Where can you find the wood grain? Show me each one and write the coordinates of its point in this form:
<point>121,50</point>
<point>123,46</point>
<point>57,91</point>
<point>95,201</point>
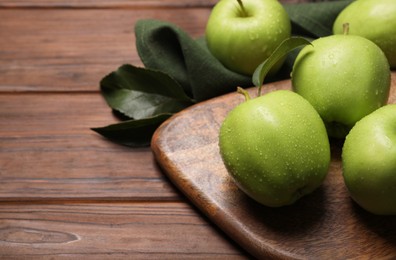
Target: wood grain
<point>72,50</point>
<point>158,4</point>
<point>323,225</point>
<point>109,231</point>
<point>114,3</point>
<point>48,151</point>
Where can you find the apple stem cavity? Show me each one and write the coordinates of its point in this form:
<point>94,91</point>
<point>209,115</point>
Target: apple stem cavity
<point>243,10</point>
<point>345,28</point>
<point>243,92</point>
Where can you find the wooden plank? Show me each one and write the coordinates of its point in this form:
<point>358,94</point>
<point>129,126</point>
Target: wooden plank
<point>47,150</point>
<point>113,3</point>
<point>71,50</point>
<point>110,230</point>
<point>105,3</point>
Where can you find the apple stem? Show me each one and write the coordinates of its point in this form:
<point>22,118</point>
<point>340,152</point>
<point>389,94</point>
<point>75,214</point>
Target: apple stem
<point>243,92</point>
<point>244,13</point>
<point>345,28</point>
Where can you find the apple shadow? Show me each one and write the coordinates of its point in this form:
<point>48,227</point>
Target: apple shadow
<point>383,226</point>
<point>299,218</point>
<point>305,216</point>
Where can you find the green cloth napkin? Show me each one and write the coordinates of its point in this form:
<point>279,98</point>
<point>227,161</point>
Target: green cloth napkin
<point>180,71</point>
<point>315,19</point>
<point>165,47</point>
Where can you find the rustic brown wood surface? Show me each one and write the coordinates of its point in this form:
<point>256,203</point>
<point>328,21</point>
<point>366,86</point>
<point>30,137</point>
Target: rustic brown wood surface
<point>323,225</point>
<point>66,192</point>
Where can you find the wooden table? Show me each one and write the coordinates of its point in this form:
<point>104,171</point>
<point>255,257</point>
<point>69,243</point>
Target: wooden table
<point>64,190</point>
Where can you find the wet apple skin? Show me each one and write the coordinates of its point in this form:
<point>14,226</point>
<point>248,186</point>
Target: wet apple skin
<point>369,161</point>
<point>275,147</point>
<point>345,77</point>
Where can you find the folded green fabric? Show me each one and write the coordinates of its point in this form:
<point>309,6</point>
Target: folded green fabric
<point>182,71</point>
<point>165,47</point>
<point>314,19</point>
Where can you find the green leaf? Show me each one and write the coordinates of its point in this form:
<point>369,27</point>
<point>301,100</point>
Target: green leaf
<point>134,133</point>
<point>284,48</point>
<point>140,93</point>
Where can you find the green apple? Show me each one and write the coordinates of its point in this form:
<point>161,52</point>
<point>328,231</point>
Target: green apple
<point>275,147</point>
<point>345,77</point>
<point>369,161</point>
<point>241,35</point>
<point>374,20</point>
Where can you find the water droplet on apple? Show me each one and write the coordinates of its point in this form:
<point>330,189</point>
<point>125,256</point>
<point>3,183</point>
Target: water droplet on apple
<point>253,36</point>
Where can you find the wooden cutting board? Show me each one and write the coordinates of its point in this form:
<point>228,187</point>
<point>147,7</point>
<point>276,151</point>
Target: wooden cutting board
<point>326,224</point>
